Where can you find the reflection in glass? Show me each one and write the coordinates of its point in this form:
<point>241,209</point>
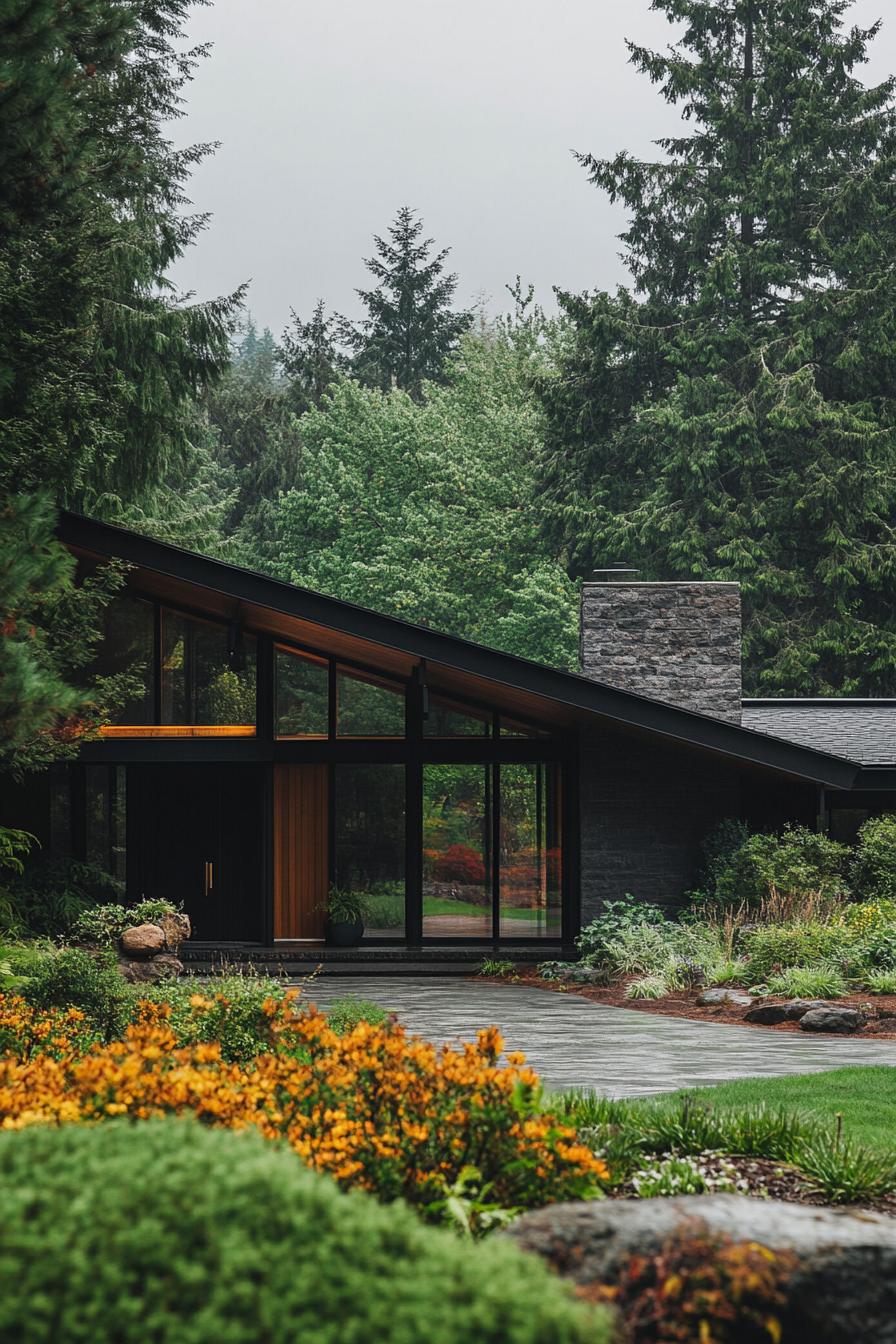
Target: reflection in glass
<point>208,677</point>
<point>302,695</point>
<point>514,728</point>
<point>126,648</point>
<point>447,719</point>
<point>369,840</point>
<point>457,869</point>
<point>105,817</point>
<point>530,866</point>
<point>367,706</point>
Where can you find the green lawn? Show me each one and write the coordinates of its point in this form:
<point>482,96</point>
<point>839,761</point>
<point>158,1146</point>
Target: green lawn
<point>866,1097</point>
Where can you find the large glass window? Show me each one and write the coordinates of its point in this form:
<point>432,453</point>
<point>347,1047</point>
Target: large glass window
<point>369,842</point>
<point>126,650</point>
<point>303,687</point>
<point>529,862</point>
<point>105,807</point>
<point>367,706</point>
<point>457,869</point>
<point>208,674</point>
<point>447,718</point>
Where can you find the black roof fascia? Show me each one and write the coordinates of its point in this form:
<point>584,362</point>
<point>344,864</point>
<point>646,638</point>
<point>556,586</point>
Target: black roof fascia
<point>875,777</point>
<point>566,688</point>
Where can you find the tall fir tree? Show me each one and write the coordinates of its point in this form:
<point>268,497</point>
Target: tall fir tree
<point>411,327</point>
<point>309,357</point>
<point>99,356</point>
<point>735,417</point>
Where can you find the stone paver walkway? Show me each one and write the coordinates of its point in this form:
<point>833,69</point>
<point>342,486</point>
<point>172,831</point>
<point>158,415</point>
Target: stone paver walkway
<point>615,1051</point>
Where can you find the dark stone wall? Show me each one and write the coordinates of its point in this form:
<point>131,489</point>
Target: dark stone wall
<point>647,805</point>
<point>675,642</point>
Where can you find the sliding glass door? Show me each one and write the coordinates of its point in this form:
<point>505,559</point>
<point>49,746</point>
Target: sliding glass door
<point>491,851</point>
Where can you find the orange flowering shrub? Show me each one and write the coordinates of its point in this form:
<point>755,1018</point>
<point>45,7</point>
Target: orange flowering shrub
<point>375,1108</point>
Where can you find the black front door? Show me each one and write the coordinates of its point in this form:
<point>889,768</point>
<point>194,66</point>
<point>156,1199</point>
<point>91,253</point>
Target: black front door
<point>195,837</point>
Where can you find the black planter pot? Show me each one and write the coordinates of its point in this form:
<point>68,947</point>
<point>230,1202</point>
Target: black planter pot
<point>340,934</point>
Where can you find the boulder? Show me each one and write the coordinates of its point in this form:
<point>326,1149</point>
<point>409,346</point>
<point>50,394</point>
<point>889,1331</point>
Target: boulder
<point>771,1014</point>
<point>843,1289</point>
<point>142,941</point>
<point>176,928</point>
<point>723,998</point>
<point>843,1021</point>
<point>165,966</point>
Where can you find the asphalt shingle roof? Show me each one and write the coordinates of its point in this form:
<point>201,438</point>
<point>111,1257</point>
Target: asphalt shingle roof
<point>863,731</point>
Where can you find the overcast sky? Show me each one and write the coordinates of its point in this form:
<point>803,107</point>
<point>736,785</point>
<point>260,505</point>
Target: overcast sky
<point>332,114</point>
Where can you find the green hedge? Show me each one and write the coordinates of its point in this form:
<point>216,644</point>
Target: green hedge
<point>167,1232</point>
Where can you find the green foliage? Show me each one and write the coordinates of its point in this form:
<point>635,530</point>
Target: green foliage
<point>89,981</point>
<point>845,1172</point>
<point>104,924</point>
<point>795,862</point>
<point>345,907</point>
<point>873,868</point>
<point>233,1016</point>
<point>778,947</point>
<point>675,1176</point>
<point>423,509</point>
<point>809,982</point>
<point>496,969</point>
<point>877,950</point>
<point>879,982</point>
<point>718,850</point>
<point>410,328</point>
<point>183,1234</point>
<point>616,917</point>
<point>653,986</point>
<point>52,894</point>
<point>465,1205</point>
<point>344,1014</point>
<point>732,415</point>
<point>15,846</point>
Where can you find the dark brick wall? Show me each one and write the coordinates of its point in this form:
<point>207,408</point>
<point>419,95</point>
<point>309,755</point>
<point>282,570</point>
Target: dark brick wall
<point>676,642</point>
<point>647,805</point>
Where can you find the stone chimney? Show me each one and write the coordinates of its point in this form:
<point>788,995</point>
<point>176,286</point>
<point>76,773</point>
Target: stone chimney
<point>677,642</point>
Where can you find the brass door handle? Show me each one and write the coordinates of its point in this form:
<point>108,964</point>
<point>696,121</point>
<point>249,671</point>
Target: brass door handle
<point>209,876</point>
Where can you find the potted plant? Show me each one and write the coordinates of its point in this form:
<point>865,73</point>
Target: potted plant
<point>344,923</point>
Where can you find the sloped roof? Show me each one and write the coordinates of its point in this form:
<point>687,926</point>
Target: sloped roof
<point>581,698</point>
<point>857,730</point>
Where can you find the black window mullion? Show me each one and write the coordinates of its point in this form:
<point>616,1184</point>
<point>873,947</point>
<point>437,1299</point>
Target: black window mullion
<point>157,663</point>
<point>496,852</point>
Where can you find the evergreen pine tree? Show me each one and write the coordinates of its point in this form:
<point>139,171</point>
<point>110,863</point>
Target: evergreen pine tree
<point>410,328</point>
<point>735,417</point>
<point>309,357</point>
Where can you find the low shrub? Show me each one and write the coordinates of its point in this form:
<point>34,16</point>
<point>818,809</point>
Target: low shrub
<point>773,948</point>
<point>877,949</point>
<point>50,895</point>
<point>880,982</point>
<point>496,969</point>
<point>648,987</point>
<point>684,1176</point>
<point>709,1289</point>
<point>344,1014</point>
<point>87,981</point>
<point>809,982</point>
<point>873,868</point>
<point>104,924</point>
<point>866,917</point>
<point>173,1232</point>
<point>235,1012</point>
<point>384,909</point>
<point>793,863</point>
<point>373,1108</point>
<point>615,918</point>
<point>844,1172</point>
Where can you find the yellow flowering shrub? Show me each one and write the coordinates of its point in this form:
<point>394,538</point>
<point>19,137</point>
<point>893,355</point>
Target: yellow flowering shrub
<point>375,1108</point>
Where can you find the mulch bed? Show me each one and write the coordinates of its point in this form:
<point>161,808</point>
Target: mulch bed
<point>879,1009</point>
<point>766,1179</point>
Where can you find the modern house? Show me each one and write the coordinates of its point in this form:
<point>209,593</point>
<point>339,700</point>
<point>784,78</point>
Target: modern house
<point>280,742</point>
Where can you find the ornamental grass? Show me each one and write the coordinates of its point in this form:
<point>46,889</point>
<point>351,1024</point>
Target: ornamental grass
<point>375,1108</point>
